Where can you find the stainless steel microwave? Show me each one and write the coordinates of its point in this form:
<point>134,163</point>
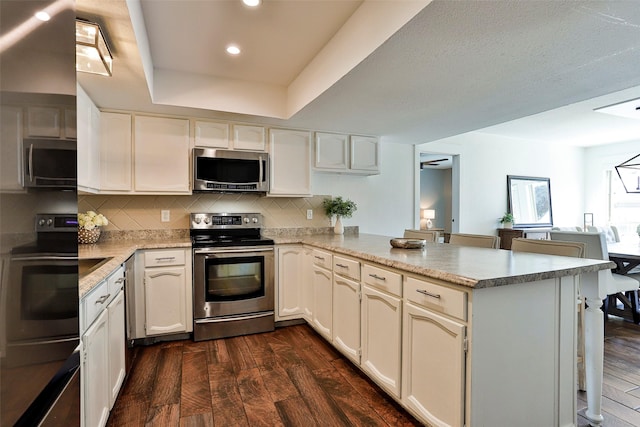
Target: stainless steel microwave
<point>218,170</point>
<point>50,163</point>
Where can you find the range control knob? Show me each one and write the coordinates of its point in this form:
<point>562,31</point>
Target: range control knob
<point>207,220</point>
<point>246,220</point>
<point>198,220</point>
<point>50,222</point>
<point>254,220</point>
<point>41,222</point>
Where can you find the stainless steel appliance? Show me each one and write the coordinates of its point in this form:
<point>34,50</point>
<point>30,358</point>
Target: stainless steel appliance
<point>230,171</point>
<point>41,353</point>
<point>233,275</point>
<point>50,163</point>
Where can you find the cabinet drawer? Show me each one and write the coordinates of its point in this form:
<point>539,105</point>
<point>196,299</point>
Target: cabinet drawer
<point>382,279</point>
<point>96,301</point>
<point>436,297</point>
<point>322,259</point>
<point>164,258</point>
<point>116,282</point>
<point>346,267</point>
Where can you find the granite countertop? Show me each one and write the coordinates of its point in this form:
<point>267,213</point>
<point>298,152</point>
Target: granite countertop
<point>119,251</point>
<point>467,266</point>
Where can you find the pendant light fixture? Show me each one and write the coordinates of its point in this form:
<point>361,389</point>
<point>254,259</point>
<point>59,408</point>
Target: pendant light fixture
<point>629,173</point>
<point>92,52</point>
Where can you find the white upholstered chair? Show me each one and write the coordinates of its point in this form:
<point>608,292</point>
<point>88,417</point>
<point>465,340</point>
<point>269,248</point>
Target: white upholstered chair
<point>561,248</point>
<point>477,240</point>
<point>619,287</point>
<point>428,235</point>
<point>574,228</point>
<point>610,232</point>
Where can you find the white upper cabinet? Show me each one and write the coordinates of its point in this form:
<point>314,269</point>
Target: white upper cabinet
<point>44,122</point>
<point>211,134</point>
<point>331,151</point>
<point>161,155</point>
<point>365,154</point>
<point>115,152</point>
<point>290,163</point>
<point>88,134</point>
<point>346,154</point>
<point>246,137</point>
<point>11,159</point>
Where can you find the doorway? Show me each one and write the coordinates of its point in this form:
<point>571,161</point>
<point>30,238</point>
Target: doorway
<point>438,184</point>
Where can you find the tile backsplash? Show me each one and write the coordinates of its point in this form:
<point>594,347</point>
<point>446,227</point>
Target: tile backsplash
<point>144,212</point>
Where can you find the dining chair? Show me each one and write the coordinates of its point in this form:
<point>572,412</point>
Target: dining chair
<point>574,228</point>
<point>477,240</point>
<point>561,248</point>
<point>610,232</point>
<point>618,287</point>
<point>428,235</point>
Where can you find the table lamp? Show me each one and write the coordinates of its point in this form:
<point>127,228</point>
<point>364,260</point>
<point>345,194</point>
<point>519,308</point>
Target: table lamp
<point>429,214</point>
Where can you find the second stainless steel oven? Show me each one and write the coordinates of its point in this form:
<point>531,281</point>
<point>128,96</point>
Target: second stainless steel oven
<point>233,276</point>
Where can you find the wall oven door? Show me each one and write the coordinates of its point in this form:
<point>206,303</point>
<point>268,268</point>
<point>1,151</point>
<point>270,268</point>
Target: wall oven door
<point>233,281</point>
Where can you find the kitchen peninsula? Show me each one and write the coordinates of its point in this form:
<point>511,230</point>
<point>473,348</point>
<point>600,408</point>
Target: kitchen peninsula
<point>457,335</point>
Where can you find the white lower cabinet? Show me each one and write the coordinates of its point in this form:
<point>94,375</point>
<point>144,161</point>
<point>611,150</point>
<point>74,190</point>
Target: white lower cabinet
<point>433,366</point>
<point>166,292</point>
<point>103,341</point>
<point>323,301</point>
<point>346,317</point>
<point>291,277</point>
<point>381,338</point>
<point>94,376</point>
<point>307,285</point>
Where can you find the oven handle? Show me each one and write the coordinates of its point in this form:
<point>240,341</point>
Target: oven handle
<point>30,165</point>
<point>261,172</point>
<point>226,251</point>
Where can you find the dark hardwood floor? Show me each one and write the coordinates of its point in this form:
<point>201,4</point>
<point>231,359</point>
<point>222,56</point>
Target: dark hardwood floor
<point>292,377</point>
<point>289,377</point>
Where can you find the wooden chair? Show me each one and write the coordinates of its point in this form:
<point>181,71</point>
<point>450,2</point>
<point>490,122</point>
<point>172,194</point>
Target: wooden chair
<point>428,235</point>
<point>561,248</point>
<point>477,240</point>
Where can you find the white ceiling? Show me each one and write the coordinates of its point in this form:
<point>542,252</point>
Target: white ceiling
<point>450,68</point>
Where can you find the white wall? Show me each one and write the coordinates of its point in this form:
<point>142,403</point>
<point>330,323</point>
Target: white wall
<point>385,202</point>
<point>485,162</point>
<point>598,160</point>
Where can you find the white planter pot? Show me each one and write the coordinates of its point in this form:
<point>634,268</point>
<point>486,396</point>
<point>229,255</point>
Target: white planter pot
<point>338,228</point>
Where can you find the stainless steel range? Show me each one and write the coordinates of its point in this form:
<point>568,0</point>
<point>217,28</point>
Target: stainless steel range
<point>233,275</point>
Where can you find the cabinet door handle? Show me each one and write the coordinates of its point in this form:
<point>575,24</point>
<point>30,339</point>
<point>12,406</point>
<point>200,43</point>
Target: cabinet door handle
<point>319,257</point>
<point>375,276</point>
<point>102,299</point>
<point>429,294</point>
<point>342,265</point>
<point>165,259</point>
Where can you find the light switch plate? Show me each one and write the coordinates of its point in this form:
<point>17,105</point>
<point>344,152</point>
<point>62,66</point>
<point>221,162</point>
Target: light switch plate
<point>165,215</point>
<point>309,213</point>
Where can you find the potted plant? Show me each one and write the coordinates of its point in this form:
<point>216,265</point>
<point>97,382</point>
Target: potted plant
<point>507,220</point>
<point>341,208</point>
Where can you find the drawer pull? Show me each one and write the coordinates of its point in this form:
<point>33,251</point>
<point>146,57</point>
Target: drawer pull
<point>375,276</point>
<point>102,299</point>
<point>165,259</point>
<point>342,265</point>
<point>319,257</point>
<point>429,294</point>
<point>120,280</point>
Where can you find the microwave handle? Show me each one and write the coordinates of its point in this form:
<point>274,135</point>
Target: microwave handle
<point>261,169</point>
<point>30,165</point>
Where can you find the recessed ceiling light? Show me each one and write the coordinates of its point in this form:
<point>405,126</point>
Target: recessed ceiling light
<point>252,3</point>
<point>233,49</point>
<point>43,16</point>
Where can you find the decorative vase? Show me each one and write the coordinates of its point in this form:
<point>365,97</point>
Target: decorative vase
<point>338,228</point>
<point>88,236</point>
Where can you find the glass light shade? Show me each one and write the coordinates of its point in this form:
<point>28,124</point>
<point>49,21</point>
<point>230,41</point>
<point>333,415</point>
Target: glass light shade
<point>629,173</point>
<point>92,52</point>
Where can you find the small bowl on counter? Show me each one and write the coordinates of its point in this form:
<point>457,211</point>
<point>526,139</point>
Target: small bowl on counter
<point>408,243</point>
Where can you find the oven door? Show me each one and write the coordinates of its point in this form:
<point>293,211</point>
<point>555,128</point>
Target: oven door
<point>233,281</point>
<point>43,299</point>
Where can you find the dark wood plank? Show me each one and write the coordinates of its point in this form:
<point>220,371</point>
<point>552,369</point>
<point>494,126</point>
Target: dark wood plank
<point>197,420</point>
<point>195,396</point>
<point>261,351</point>
<point>240,354</point>
<point>294,412</point>
<point>225,396</point>
<point>322,407</point>
<point>165,415</point>
<point>168,377</point>
<point>128,414</point>
<point>278,383</point>
<point>141,379</point>
<point>217,351</point>
<point>256,400</point>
